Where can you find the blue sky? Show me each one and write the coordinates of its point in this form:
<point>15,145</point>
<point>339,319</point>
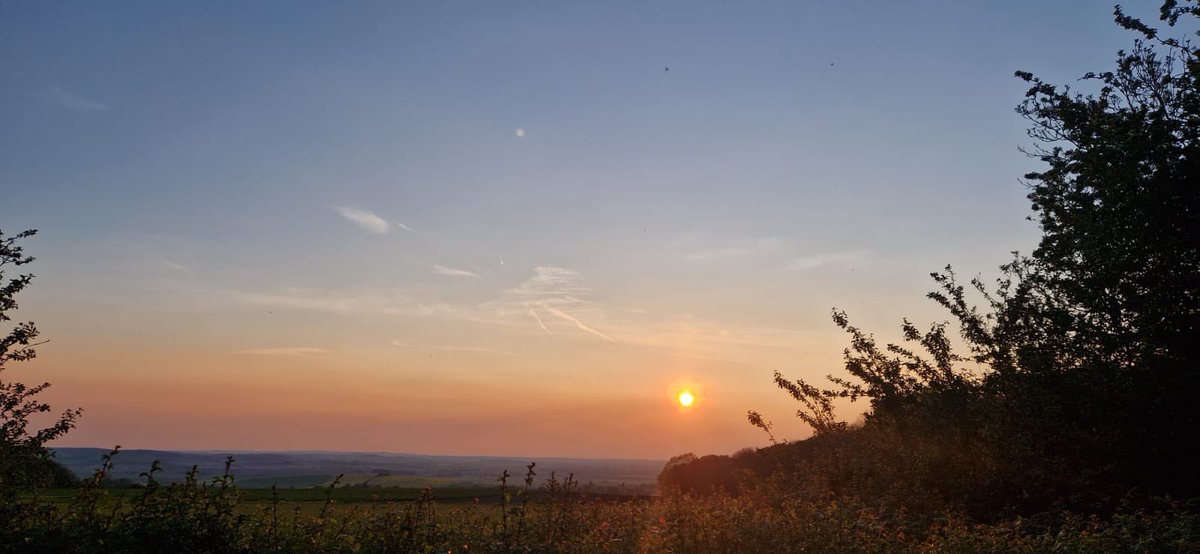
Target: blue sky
<point>503,200</point>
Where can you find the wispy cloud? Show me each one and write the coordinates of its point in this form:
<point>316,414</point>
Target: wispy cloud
<point>284,351</point>
<point>365,219</point>
<point>757,247</point>
<point>554,300</point>
<point>687,332</point>
<point>405,227</point>
<point>551,291</point>
<point>550,285</point>
<point>818,260</point>
<point>538,319</point>
<point>568,317</point>
<point>68,99</point>
<point>176,267</point>
<point>452,348</point>
<point>451,272</point>
<point>396,302</point>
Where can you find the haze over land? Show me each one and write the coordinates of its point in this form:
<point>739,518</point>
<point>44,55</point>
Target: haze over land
<point>508,231</point>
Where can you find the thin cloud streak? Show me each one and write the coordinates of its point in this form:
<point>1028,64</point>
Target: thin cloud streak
<point>537,304</point>
<point>539,321</point>
<point>284,351</point>
<point>550,285</point>
<point>756,248</point>
<point>451,272</point>
<point>678,332</point>
<point>68,99</point>
<point>176,267</point>
<point>405,227</point>
<point>818,260</point>
<point>364,219</point>
<point>452,348</point>
<point>553,290</point>
<point>556,292</point>
<point>568,317</point>
<point>360,302</point>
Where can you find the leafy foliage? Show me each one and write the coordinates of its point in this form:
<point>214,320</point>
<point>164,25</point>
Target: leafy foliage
<point>24,459</point>
<point>1076,377</point>
<point>213,515</point>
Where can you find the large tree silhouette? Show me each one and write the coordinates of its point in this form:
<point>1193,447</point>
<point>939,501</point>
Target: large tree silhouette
<point>1082,363</point>
<point>23,452</point>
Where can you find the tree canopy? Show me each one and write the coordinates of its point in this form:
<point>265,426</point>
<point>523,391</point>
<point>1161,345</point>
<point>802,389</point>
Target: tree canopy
<point>23,453</point>
<point>1080,368</point>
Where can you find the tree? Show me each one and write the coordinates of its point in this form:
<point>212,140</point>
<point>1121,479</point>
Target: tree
<point>1113,289</point>
<point>1082,368</point>
<point>23,451</point>
<point>1118,204</point>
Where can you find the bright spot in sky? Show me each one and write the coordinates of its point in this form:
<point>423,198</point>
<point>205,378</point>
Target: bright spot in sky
<point>686,399</point>
<point>520,132</point>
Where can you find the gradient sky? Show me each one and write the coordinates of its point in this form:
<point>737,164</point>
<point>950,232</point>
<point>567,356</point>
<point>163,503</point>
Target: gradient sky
<point>500,227</point>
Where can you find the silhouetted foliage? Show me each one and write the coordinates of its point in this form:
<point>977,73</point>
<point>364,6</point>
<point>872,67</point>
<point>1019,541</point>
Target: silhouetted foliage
<point>706,474</point>
<point>24,458</point>
<point>49,473</point>
<point>1078,375</point>
<point>213,515</point>
<point>1112,293</point>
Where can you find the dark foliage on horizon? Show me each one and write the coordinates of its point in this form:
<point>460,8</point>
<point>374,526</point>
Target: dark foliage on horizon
<point>1081,369</point>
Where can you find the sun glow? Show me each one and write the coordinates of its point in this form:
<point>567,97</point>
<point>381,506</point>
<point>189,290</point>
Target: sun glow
<point>686,398</point>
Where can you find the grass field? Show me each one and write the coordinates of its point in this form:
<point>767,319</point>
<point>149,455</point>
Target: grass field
<point>547,519</point>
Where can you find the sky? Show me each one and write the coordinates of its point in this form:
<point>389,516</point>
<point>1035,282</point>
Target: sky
<point>504,228</point>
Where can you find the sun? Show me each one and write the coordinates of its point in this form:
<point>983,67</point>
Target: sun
<point>685,395</point>
<point>686,398</point>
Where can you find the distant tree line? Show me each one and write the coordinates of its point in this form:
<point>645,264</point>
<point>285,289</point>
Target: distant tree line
<point>1076,380</point>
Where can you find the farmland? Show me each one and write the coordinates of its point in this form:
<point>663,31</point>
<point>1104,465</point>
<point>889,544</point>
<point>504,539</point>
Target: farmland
<point>301,470</point>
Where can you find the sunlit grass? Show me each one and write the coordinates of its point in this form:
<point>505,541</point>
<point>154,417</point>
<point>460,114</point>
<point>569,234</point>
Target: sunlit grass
<point>538,515</point>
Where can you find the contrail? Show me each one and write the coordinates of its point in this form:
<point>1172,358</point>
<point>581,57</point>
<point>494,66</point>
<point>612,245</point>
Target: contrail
<point>539,320</point>
<point>568,317</point>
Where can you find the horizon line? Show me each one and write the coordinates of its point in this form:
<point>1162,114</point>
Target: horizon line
<point>388,452</point>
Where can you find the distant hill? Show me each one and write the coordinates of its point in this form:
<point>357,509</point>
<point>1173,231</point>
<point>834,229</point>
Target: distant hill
<point>301,469</point>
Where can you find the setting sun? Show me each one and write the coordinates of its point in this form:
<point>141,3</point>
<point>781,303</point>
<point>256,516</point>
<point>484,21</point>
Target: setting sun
<point>686,399</point>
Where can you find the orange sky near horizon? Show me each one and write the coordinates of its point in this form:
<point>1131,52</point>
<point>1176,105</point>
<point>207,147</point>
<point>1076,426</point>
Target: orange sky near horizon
<point>146,394</point>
